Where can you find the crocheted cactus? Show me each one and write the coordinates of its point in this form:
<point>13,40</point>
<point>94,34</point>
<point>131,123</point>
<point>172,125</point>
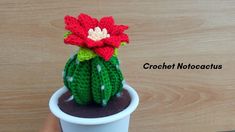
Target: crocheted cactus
<point>93,73</point>
<point>93,80</point>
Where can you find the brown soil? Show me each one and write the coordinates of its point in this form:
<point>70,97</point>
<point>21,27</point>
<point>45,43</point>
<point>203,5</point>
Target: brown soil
<point>115,105</point>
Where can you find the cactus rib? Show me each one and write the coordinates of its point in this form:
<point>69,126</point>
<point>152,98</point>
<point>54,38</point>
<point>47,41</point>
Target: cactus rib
<point>94,80</point>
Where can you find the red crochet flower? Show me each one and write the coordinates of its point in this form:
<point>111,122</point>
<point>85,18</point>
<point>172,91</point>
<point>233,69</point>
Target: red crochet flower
<point>100,36</point>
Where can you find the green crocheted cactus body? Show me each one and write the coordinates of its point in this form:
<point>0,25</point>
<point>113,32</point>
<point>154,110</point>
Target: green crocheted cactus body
<point>94,80</point>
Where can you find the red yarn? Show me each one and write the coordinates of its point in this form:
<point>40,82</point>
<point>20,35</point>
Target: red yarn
<point>90,43</point>
<point>74,26</point>
<point>74,40</point>
<point>105,52</point>
<point>119,29</point>
<point>87,22</point>
<point>107,22</point>
<point>113,41</point>
<point>104,47</point>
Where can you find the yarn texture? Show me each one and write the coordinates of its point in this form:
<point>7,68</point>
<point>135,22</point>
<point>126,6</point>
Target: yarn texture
<point>93,74</point>
<point>100,36</point>
<point>93,80</point>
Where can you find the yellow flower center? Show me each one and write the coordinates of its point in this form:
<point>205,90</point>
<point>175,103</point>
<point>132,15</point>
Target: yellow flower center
<point>97,34</point>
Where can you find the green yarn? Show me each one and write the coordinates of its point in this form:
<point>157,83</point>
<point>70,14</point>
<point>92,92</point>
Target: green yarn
<point>85,54</point>
<point>123,43</point>
<point>115,75</point>
<point>115,52</point>
<point>80,83</point>
<point>67,34</point>
<point>68,70</point>
<point>101,87</point>
<point>93,80</point>
<point>116,49</point>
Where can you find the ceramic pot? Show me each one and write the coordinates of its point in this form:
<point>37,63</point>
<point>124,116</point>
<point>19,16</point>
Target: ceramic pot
<point>118,122</point>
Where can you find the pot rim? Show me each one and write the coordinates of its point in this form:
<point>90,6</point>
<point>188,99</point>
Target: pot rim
<point>53,105</point>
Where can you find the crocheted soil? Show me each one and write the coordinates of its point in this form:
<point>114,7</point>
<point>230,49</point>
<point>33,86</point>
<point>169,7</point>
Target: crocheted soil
<point>115,105</point>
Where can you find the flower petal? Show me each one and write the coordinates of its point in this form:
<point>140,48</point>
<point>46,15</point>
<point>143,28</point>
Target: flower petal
<point>74,26</point>
<point>87,21</point>
<point>91,43</point>
<point>113,41</point>
<point>70,20</point>
<point>104,52</point>
<point>107,22</point>
<point>74,40</point>
<point>118,29</point>
<point>124,38</point>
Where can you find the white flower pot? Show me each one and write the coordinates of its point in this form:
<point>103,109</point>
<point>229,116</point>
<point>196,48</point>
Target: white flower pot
<point>118,122</point>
